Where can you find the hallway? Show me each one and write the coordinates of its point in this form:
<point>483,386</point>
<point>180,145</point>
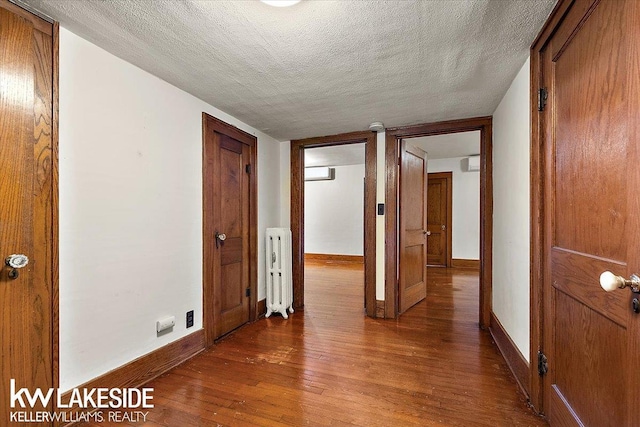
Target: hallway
<point>330,365</point>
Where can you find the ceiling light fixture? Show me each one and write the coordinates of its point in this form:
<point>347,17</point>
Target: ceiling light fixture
<point>280,3</point>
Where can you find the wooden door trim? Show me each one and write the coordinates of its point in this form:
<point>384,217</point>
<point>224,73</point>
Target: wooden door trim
<point>297,210</point>
<point>208,319</point>
<point>55,233</point>
<point>448,176</point>
<point>536,336</point>
<point>38,23</point>
<point>393,135</point>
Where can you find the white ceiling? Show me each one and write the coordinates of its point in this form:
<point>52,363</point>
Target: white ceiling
<point>339,155</point>
<point>320,67</point>
<point>461,144</point>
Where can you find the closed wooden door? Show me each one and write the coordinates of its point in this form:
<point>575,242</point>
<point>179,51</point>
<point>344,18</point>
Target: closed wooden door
<point>26,200</point>
<point>413,226</point>
<point>591,69</point>
<point>228,211</point>
<point>439,219</point>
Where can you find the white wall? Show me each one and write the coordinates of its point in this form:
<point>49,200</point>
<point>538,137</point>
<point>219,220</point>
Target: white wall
<point>285,183</point>
<point>131,209</point>
<point>381,175</point>
<point>466,206</point>
<point>511,211</point>
<point>334,213</point>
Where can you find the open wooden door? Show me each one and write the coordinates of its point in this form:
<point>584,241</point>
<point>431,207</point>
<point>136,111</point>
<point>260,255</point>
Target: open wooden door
<point>591,138</point>
<point>413,226</point>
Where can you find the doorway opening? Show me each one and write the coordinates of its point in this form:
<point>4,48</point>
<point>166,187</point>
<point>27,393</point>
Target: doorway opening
<point>453,201</point>
<point>394,137</point>
<point>334,220</point>
<point>298,149</point>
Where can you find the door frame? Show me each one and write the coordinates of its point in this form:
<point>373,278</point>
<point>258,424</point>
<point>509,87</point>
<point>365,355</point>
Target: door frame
<point>55,263</point>
<point>448,176</point>
<point>208,240</point>
<point>536,331</point>
<point>297,210</point>
<point>51,208</point>
<point>393,136</point>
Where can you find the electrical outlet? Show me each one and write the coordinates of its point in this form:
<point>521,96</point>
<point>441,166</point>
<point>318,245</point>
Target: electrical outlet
<point>189,318</point>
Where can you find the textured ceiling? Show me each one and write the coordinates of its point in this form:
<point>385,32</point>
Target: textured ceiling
<point>450,145</point>
<point>320,67</point>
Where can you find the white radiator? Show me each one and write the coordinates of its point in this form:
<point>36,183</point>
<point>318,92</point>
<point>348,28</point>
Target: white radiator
<point>279,273</point>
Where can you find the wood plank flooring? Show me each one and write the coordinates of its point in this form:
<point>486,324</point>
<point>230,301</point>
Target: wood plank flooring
<point>329,365</point>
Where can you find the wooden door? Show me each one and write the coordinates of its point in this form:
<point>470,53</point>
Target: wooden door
<point>439,219</point>
<point>26,204</point>
<point>228,225</point>
<point>591,138</point>
<point>413,226</point>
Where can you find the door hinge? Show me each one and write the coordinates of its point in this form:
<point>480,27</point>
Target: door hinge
<point>543,95</point>
<point>543,364</point>
<point>247,168</point>
<point>247,292</point>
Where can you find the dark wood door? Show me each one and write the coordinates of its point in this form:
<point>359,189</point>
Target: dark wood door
<point>591,68</point>
<point>439,219</point>
<point>228,166</point>
<point>413,226</point>
<point>26,197</point>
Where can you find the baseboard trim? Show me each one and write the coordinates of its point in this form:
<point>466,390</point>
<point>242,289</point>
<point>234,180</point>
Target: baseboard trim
<point>262,308</point>
<point>465,263</point>
<point>359,259</point>
<point>516,362</point>
<point>145,368</point>
<point>380,309</point>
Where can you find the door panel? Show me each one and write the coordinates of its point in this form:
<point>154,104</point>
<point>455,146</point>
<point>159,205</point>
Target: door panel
<point>438,219</point>
<point>233,251</point>
<point>229,263</point>
<point>26,197</point>
<point>413,226</point>
<point>590,210</point>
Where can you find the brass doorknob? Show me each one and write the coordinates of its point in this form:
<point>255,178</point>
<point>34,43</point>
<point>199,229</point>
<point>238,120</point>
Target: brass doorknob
<point>610,282</point>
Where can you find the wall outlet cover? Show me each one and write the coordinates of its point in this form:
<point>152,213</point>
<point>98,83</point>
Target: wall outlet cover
<point>189,318</point>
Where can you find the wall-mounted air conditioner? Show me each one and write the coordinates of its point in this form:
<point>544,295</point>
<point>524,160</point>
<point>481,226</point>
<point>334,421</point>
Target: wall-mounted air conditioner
<point>319,174</point>
<point>473,163</point>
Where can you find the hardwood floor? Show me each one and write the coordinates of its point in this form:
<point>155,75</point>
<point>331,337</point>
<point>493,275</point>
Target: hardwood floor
<point>329,365</point>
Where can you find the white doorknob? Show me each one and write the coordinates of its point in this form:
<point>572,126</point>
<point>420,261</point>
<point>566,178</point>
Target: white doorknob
<point>610,282</point>
<point>17,261</point>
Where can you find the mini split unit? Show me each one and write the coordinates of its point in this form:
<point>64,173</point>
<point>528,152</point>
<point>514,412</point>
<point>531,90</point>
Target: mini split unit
<point>319,174</point>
